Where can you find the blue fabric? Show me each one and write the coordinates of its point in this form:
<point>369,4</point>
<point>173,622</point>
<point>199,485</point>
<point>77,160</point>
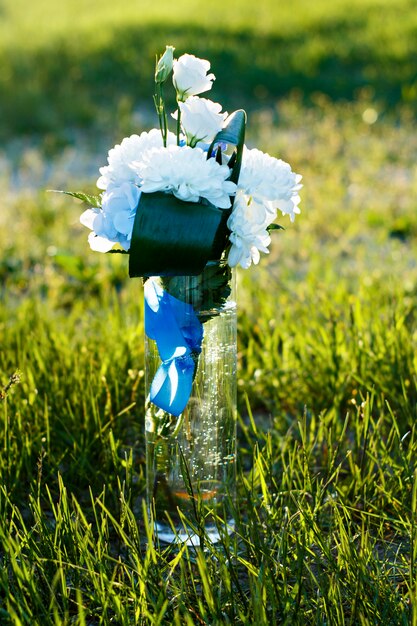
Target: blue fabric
<point>178,334</point>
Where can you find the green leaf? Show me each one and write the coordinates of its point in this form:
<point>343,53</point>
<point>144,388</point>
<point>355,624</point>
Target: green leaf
<point>233,134</point>
<point>207,292</point>
<point>174,238</point>
<point>93,201</point>
<point>275,227</point>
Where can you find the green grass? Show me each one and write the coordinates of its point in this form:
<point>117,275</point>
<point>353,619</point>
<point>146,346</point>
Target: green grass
<point>79,64</point>
<point>326,522</point>
<point>326,518</point>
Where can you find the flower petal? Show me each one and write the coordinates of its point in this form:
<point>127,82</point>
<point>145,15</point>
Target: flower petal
<point>99,244</point>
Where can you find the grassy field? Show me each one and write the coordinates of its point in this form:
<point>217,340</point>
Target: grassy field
<point>79,63</point>
<point>327,511</point>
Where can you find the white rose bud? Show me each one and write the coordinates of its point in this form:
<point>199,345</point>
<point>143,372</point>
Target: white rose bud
<point>190,76</point>
<point>164,65</point>
<point>201,119</point>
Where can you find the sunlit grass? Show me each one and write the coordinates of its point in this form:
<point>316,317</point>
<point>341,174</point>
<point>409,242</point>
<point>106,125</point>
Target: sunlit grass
<point>46,20</point>
<point>80,64</point>
<point>326,519</point>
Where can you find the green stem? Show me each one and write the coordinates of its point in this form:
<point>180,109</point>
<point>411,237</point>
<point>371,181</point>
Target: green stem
<point>161,111</point>
<point>178,425</point>
<point>178,125</point>
<point>164,116</point>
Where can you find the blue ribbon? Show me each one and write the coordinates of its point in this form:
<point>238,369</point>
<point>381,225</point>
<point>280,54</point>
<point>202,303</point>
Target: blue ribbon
<point>178,334</point>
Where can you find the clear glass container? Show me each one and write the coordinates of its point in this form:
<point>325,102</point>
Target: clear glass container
<point>191,457</point>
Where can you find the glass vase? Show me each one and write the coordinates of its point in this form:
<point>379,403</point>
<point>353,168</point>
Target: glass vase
<point>190,409</point>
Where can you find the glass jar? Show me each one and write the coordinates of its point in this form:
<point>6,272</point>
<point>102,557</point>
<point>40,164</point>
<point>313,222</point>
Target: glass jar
<point>190,419</point>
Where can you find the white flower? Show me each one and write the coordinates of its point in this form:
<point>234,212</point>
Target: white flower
<point>190,76</point>
<point>113,223</point>
<point>118,170</point>
<point>201,119</point>
<point>270,180</point>
<point>249,235</point>
<point>187,173</point>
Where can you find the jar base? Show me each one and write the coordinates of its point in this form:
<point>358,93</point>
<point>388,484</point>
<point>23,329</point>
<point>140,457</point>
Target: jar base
<point>167,535</point>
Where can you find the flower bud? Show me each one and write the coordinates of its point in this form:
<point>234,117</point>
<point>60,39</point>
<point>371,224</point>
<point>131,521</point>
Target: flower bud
<point>164,65</point>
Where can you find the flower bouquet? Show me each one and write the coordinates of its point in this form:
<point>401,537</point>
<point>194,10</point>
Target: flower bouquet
<point>188,206</point>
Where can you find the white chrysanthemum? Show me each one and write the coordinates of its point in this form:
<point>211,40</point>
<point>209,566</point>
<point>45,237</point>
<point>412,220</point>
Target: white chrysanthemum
<point>120,157</point>
<point>270,180</point>
<point>187,173</point>
<point>113,223</point>
<point>249,236</point>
